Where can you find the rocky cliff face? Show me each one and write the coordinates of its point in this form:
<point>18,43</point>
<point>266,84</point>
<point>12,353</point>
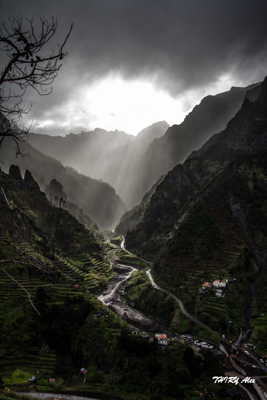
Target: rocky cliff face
<point>202,166</point>
<point>244,135</point>
<point>205,120</point>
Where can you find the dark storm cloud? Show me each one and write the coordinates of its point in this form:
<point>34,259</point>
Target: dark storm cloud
<point>184,44</point>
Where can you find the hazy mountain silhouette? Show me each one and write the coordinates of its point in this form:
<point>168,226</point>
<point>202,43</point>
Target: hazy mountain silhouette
<point>97,199</point>
<point>113,157</point>
<point>133,164</point>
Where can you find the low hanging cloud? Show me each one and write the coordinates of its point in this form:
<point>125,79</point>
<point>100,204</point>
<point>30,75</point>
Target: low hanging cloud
<point>180,45</point>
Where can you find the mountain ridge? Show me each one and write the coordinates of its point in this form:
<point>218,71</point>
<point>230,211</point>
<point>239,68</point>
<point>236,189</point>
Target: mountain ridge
<point>109,156</point>
<point>203,164</point>
<point>97,199</point>
<point>167,164</point>
<point>132,165</point>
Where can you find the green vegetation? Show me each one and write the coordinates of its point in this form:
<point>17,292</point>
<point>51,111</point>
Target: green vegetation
<point>128,258</point>
<point>206,220</point>
<point>17,377</point>
<point>51,269</point>
<point>210,244</point>
<point>10,395</point>
<point>151,302</point>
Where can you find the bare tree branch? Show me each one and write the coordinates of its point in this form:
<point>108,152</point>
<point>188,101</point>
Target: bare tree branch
<point>29,63</point>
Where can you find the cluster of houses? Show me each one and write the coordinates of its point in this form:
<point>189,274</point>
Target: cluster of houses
<point>218,286</point>
<point>163,339</point>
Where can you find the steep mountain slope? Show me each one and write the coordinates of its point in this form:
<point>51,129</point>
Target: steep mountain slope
<point>206,119</point>
<point>195,168</point>
<point>97,199</point>
<point>113,157</point>
<point>244,135</point>
<point>134,216</point>
<point>206,220</point>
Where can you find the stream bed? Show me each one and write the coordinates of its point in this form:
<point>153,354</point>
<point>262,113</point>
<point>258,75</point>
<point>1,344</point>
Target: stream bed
<point>112,298</point>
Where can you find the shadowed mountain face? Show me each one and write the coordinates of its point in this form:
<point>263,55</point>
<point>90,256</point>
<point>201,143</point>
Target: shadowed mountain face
<point>207,219</point>
<point>113,157</point>
<point>206,119</point>
<point>95,198</point>
<point>172,198</point>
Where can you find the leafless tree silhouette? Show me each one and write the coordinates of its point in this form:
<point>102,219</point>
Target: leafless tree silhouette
<point>28,62</point>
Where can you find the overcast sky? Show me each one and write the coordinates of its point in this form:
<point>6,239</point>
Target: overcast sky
<point>133,62</point>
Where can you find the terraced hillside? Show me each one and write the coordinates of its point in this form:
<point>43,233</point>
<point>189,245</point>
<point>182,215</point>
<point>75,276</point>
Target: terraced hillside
<point>51,268</point>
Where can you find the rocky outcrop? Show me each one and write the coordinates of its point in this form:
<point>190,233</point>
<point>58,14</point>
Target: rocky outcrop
<point>30,181</point>
<point>14,171</point>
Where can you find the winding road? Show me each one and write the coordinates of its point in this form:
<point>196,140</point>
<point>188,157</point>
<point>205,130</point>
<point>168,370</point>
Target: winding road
<point>239,359</point>
<point>178,301</point>
<point>112,298</point>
